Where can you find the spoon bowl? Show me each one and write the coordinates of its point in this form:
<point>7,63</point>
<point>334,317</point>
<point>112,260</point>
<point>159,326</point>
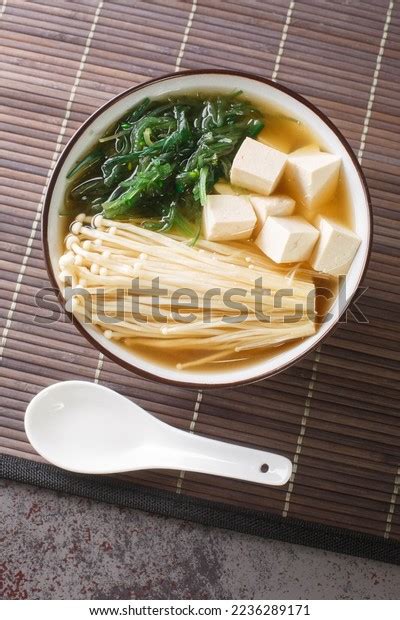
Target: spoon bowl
<point>88,428</point>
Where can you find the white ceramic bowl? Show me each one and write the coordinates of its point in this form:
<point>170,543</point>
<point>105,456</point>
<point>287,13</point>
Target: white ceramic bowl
<point>254,88</point>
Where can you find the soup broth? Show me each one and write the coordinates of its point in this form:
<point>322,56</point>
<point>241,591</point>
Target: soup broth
<point>285,134</point>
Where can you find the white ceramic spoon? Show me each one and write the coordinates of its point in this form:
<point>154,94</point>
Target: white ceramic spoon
<point>91,429</point>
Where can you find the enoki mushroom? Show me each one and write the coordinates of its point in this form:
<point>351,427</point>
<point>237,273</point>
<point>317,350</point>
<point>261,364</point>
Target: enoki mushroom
<point>110,266</point>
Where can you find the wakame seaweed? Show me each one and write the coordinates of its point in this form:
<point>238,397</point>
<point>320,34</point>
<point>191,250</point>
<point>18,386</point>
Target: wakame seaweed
<point>160,160</point>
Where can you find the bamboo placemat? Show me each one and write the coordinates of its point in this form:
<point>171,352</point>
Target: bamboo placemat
<point>336,413</point>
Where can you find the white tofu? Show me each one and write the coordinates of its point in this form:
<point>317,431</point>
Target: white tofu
<point>222,187</point>
<point>335,249</point>
<point>264,206</point>
<point>313,177</point>
<point>287,239</point>
<point>257,167</point>
<point>309,149</point>
<point>228,218</point>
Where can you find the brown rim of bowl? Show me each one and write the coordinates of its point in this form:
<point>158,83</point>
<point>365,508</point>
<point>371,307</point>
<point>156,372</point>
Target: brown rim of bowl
<point>87,123</point>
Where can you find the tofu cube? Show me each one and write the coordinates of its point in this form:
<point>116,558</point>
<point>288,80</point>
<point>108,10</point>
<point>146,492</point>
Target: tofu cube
<point>264,206</point>
<point>287,239</point>
<point>309,149</point>
<point>335,249</point>
<point>313,177</point>
<point>228,218</point>
<point>257,167</point>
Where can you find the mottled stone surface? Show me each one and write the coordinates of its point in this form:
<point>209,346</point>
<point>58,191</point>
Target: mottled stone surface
<point>57,546</point>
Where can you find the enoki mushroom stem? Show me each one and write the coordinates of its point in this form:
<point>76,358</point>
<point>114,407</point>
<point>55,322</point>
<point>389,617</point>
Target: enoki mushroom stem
<point>103,257</point>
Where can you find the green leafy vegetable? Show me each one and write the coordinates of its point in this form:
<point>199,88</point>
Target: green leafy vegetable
<point>161,159</point>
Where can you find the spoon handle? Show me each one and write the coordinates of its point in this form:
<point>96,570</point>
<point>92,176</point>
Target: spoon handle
<point>199,454</point>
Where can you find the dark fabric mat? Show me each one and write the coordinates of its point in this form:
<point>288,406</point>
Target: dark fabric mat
<point>207,513</point>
